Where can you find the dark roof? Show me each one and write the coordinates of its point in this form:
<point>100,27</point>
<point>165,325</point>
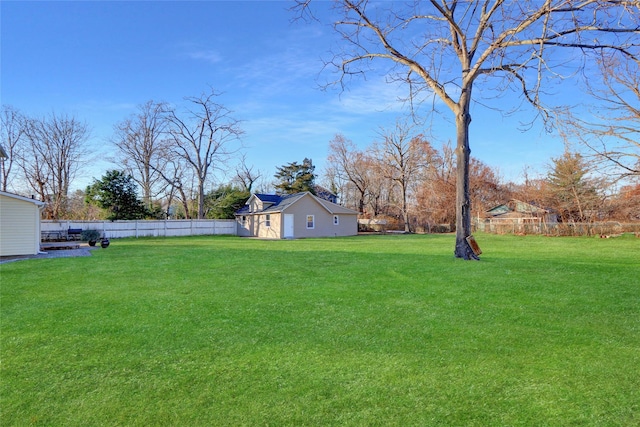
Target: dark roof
<point>281,202</point>
<point>271,198</point>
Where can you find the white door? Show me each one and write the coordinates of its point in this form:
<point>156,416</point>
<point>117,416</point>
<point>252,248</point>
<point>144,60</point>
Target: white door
<point>288,226</point>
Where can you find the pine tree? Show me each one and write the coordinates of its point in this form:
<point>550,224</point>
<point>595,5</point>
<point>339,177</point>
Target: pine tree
<point>296,178</point>
<point>117,193</point>
<point>572,193</point>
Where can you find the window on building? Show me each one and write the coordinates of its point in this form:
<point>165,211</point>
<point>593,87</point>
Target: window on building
<point>267,220</point>
<point>244,220</point>
<point>336,221</point>
<point>310,221</point>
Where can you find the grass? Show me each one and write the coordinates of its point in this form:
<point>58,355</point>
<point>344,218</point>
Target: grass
<point>365,331</point>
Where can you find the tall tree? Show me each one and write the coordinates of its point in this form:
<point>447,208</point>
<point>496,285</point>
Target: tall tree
<point>352,167</point>
<point>140,140</point>
<point>296,178</point>
<point>403,156</point>
<point>12,138</point>
<point>55,151</point>
<point>246,177</point>
<point>572,193</point>
<point>612,130</point>
<point>202,136</point>
<point>444,48</point>
<point>117,193</point>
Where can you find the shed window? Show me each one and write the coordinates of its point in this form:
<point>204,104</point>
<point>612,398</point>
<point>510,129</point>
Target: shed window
<point>336,221</point>
<point>267,220</point>
<point>310,221</point>
<point>244,220</point>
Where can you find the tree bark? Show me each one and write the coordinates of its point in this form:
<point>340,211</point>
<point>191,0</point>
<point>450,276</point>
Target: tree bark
<point>463,200</point>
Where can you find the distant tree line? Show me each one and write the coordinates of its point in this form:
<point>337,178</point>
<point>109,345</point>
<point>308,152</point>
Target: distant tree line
<point>402,177</point>
<point>167,158</point>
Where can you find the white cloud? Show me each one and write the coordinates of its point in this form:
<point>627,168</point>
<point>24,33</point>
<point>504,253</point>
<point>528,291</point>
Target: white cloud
<point>209,56</point>
<point>198,52</point>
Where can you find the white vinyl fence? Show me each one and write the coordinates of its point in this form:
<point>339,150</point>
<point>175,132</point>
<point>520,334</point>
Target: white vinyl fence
<point>143,228</point>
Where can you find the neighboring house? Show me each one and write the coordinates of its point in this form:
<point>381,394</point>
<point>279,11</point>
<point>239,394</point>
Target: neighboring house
<point>325,194</point>
<point>19,225</point>
<point>294,216</point>
<point>517,215</point>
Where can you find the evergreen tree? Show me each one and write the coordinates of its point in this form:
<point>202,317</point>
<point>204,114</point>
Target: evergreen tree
<point>571,192</point>
<point>223,202</point>
<point>296,178</point>
<point>117,193</point>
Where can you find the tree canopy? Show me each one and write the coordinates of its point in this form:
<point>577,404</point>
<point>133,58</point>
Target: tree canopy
<point>296,178</point>
<point>449,49</point>
<point>117,193</point>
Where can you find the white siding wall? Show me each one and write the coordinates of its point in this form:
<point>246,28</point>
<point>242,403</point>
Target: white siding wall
<point>19,227</point>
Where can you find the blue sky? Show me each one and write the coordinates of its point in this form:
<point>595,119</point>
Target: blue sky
<point>99,60</point>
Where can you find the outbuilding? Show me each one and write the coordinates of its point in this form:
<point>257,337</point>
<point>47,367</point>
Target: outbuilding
<point>294,216</point>
<point>19,225</point>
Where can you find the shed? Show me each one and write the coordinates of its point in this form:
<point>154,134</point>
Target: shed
<point>294,216</point>
<point>19,225</point>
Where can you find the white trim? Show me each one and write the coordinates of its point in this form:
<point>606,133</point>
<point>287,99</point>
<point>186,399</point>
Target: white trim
<point>24,199</point>
<point>313,222</point>
<point>336,220</point>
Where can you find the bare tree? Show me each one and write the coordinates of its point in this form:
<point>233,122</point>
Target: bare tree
<point>486,189</point>
<point>202,135</point>
<point>245,176</point>
<point>55,151</point>
<point>442,48</point>
<point>612,132</point>
<point>179,182</point>
<point>140,140</point>
<point>349,165</point>
<point>403,155</point>
<point>13,132</point>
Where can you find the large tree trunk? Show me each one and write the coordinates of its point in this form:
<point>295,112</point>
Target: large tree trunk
<point>463,200</point>
<point>405,210</point>
<point>201,199</point>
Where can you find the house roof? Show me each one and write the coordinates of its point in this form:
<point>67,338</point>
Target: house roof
<point>278,203</point>
<point>269,198</point>
<point>24,199</point>
<point>515,205</point>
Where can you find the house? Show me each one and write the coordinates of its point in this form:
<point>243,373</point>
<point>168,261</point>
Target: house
<point>517,216</point>
<point>293,216</point>
<point>19,225</point>
<point>325,194</point>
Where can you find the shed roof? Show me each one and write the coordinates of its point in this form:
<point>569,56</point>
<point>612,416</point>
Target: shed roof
<point>24,199</point>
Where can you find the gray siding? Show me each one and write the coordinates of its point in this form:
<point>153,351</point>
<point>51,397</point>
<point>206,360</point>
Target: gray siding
<point>299,206</point>
<point>323,220</point>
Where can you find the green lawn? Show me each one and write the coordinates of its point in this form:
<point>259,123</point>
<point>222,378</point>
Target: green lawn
<point>362,331</point>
